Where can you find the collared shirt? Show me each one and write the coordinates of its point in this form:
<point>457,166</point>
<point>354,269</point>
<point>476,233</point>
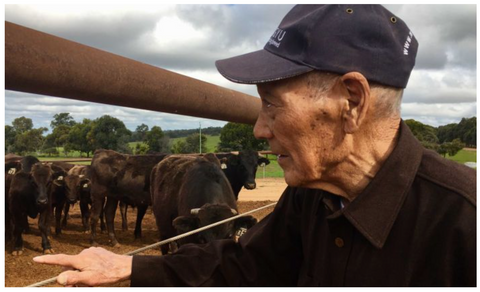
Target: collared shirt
<point>413,225</point>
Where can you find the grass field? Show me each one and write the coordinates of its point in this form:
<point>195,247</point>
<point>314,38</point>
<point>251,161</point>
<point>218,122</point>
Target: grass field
<point>464,156</point>
<point>211,144</point>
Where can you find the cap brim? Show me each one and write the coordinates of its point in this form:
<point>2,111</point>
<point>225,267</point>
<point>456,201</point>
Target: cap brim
<point>259,67</point>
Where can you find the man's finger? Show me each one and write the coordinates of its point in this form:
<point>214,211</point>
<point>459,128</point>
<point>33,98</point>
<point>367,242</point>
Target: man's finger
<point>58,259</point>
<point>75,278</point>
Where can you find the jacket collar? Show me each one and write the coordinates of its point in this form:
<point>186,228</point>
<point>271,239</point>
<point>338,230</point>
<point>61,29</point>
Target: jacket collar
<point>375,210</point>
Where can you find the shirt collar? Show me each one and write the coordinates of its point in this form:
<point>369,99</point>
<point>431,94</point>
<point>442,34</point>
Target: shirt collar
<point>375,210</point>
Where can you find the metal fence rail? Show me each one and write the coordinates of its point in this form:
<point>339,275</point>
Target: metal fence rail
<point>41,63</point>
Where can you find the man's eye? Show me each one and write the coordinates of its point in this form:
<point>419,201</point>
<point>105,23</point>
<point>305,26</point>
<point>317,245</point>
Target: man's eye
<point>269,104</point>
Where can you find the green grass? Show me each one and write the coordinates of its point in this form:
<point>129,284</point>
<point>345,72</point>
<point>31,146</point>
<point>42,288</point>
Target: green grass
<point>211,145</point>
<point>271,170</point>
<point>464,156</point>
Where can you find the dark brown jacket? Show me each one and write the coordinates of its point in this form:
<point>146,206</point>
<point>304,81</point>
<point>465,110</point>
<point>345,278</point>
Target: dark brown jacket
<point>414,225</point>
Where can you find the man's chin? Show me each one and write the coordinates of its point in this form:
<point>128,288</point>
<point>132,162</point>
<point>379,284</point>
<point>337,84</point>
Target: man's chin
<point>293,180</point>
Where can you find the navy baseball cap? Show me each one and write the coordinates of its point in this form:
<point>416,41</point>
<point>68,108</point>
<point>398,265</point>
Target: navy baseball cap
<point>334,38</point>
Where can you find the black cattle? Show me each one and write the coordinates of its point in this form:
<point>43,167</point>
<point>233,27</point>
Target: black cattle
<point>30,195</point>
<point>190,192</point>
<point>241,169</point>
<point>118,177</point>
<point>12,165</point>
<point>77,188</point>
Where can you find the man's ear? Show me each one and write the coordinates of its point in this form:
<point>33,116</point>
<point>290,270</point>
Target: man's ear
<point>358,101</point>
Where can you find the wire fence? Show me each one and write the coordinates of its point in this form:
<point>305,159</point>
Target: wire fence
<point>166,241</point>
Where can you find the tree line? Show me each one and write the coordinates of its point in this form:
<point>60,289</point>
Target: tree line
<point>107,132</point>
<point>447,139</point>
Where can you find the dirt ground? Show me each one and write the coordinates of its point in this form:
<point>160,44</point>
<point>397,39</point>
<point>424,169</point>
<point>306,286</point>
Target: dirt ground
<point>21,270</point>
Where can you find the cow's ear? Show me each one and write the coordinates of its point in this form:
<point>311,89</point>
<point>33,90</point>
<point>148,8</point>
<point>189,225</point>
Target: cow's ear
<point>59,181</point>
<point>85,183</point>
<point>223,162</point>
<point>263,160</point>
<point>245,222</point>
<point>233,160</point>
<point>184,224</point>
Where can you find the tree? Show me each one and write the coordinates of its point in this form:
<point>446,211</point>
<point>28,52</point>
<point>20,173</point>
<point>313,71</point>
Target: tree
<point>141,148</point>
<point>22,124</point>
<point>78,138</point>
<point>9,137</point>
<point>191,144</point>
<point>29,141</point>
<point>179,147</point>
<point>62,119</point>
<point>451,148</point>
<point>424,133</point>
<point>239,137</point>
<point>140,133</point>
<point>109,133</point>
<point>156,140</point>
<point>466,131</point>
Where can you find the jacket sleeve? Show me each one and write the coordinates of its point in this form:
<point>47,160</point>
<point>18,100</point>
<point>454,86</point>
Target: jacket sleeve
<point>269,254</point>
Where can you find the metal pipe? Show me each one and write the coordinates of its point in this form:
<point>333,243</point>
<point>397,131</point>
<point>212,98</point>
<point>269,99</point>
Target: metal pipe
<point>40,63</point>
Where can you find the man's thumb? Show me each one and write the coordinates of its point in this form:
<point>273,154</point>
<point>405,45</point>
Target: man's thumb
<point>69,278</point>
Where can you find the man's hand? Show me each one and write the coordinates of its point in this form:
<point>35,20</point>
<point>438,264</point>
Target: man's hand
<point>92,267</point>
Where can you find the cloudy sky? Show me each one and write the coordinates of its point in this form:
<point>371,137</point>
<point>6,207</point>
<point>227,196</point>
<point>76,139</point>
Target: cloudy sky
<point>187,39</point>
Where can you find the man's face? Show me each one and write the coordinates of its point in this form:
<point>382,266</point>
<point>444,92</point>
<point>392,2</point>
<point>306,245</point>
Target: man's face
<point>305,130</point>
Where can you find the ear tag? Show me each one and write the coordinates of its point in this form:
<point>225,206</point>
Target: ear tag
<point>263,164</point>
<point>241,231</point>
<point>85,186</point>
<point>224,166</point>
<point>60,178</point>
<point>12,171</point>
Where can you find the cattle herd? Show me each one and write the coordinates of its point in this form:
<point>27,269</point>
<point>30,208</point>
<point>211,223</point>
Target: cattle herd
<point>185,192</point>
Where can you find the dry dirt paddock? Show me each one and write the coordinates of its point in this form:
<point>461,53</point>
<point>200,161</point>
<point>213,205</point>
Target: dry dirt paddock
<point>22,271</point>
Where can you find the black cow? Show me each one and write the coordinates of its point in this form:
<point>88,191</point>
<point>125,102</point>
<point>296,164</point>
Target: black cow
<point>118,177</point>
<point>77,188</point>
<point>30,195</point>
<point>190,192</point>
<point>241,169</point>
<point>12,165</point>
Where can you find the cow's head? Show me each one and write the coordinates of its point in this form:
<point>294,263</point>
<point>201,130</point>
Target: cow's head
<point>246,163</point>
<point>74,186</point>
<point>42,176</point>
<point>208,214</point>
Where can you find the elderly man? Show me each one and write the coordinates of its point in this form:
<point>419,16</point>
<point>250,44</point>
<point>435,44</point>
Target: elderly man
<point>366,204</point>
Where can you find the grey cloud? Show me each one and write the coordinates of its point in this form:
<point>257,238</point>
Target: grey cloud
<point>437,115</point>
<point>446,95</point>
<point>111,33</point>
<point>235,25</point>
<point>442,30</point>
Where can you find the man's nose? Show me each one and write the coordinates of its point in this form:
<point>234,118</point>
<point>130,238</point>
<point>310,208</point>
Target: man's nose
<point>261,129</point>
